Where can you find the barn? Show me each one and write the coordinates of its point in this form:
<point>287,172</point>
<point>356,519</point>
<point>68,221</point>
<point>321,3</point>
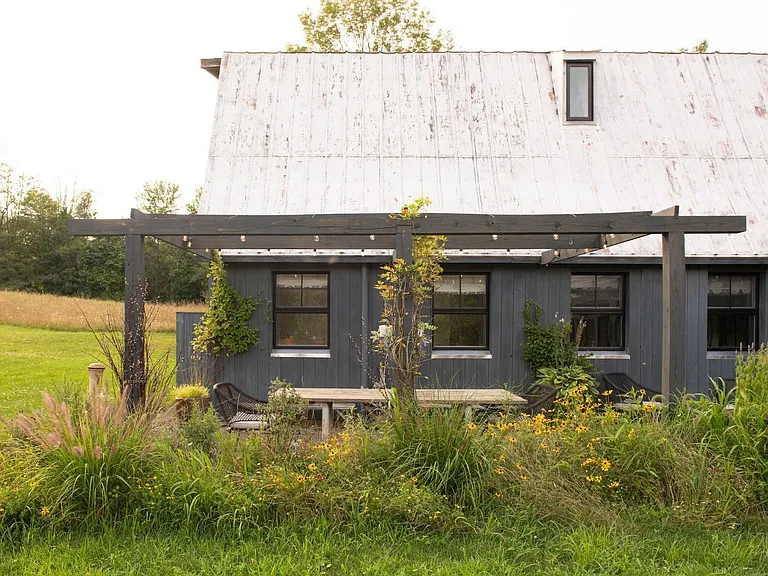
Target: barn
<point>665,135</point>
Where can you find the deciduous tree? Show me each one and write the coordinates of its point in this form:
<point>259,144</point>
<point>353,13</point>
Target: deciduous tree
<point>371,26</point>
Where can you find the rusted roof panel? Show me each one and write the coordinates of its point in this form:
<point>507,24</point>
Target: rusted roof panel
<point>483,133</point>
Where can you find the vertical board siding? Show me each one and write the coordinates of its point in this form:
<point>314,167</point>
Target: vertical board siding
<point>509,288</point>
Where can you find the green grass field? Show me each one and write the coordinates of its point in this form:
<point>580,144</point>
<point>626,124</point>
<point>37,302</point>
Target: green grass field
<point>33,360</point>
<point>324,549</point>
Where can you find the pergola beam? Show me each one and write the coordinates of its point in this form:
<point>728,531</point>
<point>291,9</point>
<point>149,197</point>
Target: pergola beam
<point>606,241</point>
<point>447,224</point>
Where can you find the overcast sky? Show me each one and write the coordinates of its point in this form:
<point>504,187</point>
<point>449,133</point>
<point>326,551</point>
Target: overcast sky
<point>106,95</point>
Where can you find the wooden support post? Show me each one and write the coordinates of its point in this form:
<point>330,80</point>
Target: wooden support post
<point>133,363</point>
<point>364,326</point>
<point>673,322</point>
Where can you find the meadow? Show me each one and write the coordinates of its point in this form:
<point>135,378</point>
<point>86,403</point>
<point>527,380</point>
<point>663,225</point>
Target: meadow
<point>88,488</point>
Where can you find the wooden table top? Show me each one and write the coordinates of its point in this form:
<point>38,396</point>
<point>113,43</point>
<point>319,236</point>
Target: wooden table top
<point>464,396</point>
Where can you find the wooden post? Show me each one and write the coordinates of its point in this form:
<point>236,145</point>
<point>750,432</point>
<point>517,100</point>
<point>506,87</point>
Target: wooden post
<point>365,326</point>
<point>133,363</point>
<point>673,322</point>
<point>95,372</point>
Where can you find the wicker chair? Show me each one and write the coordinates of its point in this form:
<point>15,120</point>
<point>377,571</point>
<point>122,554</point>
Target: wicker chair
<point>622,385</point>
<point>540,397</point>
<point>239,410</point>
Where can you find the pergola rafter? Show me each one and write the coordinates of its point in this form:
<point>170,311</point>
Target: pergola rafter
<point>563,236</point>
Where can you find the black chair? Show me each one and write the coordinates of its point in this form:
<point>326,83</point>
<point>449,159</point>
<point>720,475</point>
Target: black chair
<point>540,397</point>
<point>622,384</point>
<point>239,410</point>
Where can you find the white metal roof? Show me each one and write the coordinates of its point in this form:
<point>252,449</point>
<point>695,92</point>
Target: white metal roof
<point>483,133</point>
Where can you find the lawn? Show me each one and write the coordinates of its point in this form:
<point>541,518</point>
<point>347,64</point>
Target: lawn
<point>526,548</point>
<point>35,359</point>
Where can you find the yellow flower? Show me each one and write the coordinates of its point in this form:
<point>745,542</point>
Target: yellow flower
<point>501,458</point>
<point>45,511</point>
<point>471,426</point>
<point>555,450</point>
<point>498,495</point>
<point>605,465</point>
<point>499,471</point>
<point>34,484</point>
<point>613,484</point>
<point>511,439</point>
<point>523,477</point>
<point>581,428</point>
<point>519,466</point>
<point>312,467</point>
<point>542,445</point>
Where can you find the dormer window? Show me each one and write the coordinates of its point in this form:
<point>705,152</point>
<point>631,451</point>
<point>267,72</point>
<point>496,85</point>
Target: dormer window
<point>578,90</point>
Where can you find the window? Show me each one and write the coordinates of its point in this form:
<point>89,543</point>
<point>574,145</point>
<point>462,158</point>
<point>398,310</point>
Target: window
<point>579,100</point>
<point>301,310</point>
<point>460,311</point>
<point>731,311</point>
<point>597,300</point>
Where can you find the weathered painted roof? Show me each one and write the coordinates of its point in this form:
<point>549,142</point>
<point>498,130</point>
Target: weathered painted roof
<point>483,133</point>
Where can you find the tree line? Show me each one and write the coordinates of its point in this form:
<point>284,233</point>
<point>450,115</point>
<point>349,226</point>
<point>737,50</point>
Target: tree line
<point>37,254</point>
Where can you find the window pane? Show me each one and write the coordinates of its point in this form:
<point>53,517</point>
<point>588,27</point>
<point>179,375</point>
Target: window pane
<point>288,290</point>
<point>609,291</point>
<point>728,330</point>
<point>600,330</point>
<point>315,290</point>
<point>447,292</point>
<point>719,291</point>
<point>473,291</point>
<point>583,291</point>
<point>460,330</point>
<point>743,291</point>
<point>301,329</point>
<point>578,91</point>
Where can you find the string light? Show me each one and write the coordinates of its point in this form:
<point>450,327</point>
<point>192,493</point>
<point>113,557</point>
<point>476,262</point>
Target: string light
<point>184,238</point>
<point>557,253</point>
<point>555,236</point>
<point>242,238</point>
<point>317,238</point>
<point>207,250</point>
<point>372,237</point>
<point>495,236</point>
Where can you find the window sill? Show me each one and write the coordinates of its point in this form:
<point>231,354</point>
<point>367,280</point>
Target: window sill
<point>461,355</point>
<point>606,354</point>
<point>722,354</point>
<point>300,353</point>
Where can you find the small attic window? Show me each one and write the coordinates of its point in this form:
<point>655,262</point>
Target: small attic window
<point>578,90</point>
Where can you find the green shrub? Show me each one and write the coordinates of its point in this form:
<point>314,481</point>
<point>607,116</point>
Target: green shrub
<point>202,430</point>
<point>576,388</point>
<point>285,409</point>
<point>550,346</point>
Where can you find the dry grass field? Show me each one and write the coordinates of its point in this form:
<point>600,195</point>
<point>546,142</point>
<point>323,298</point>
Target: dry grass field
<point>74,314</point>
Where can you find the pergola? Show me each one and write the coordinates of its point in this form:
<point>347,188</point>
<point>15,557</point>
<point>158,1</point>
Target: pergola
<point>561,236</point>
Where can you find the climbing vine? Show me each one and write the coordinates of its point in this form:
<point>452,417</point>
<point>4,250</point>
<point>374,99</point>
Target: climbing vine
<point>224,328</point>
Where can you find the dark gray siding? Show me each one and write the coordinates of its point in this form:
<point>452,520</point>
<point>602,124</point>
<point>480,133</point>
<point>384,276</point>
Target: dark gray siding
<point>353,289</point>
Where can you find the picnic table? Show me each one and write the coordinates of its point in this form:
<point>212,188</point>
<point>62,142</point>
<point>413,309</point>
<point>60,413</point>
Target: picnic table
<point>467,397</point>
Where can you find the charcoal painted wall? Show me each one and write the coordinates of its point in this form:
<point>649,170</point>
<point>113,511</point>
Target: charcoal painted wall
<point>353,290</point>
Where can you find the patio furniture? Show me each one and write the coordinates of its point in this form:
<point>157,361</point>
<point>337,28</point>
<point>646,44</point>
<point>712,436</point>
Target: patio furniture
<point>468,398</point>
<point>239,410</point>
<point>622,384</point>
<point>540,398</point>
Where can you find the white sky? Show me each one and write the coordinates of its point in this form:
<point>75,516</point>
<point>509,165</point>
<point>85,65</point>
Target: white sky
<point>106,95</point>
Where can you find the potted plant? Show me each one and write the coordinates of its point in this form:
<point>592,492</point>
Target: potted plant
<point>189,395</point>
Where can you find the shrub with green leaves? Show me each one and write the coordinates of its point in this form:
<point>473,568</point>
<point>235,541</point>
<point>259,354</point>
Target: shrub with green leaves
<point>224,328</point>
<point>202,430</point>
<point>550,346</point>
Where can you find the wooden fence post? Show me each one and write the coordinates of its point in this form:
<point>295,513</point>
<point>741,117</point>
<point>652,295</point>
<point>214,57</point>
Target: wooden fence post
<point>95,373</point>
